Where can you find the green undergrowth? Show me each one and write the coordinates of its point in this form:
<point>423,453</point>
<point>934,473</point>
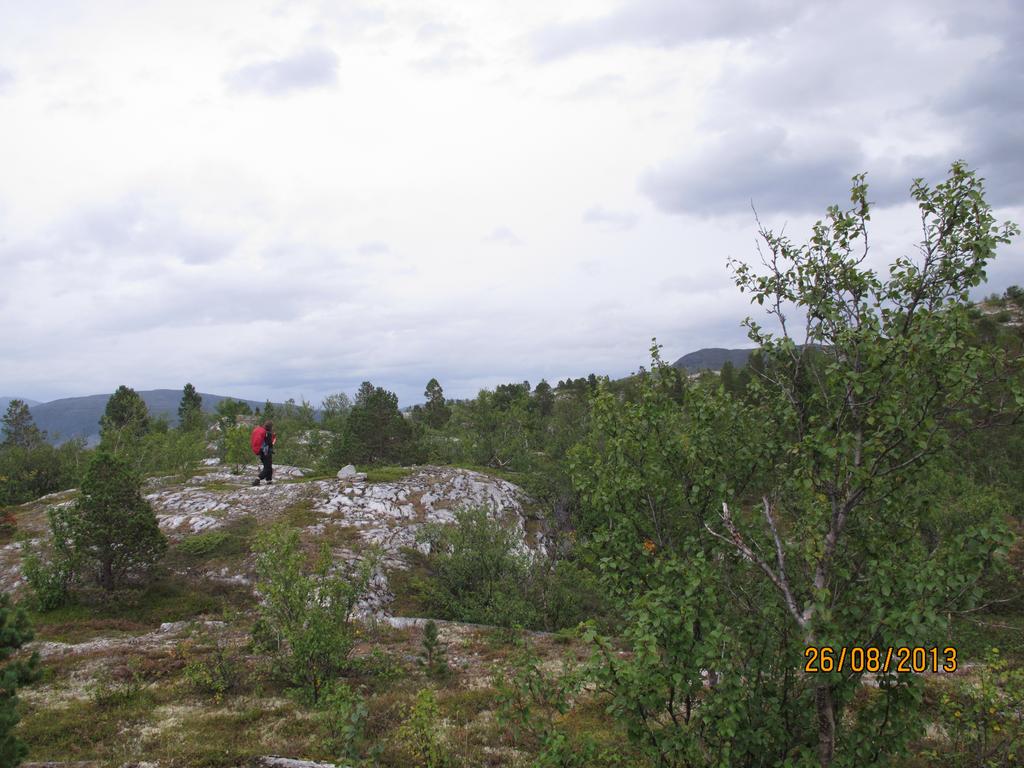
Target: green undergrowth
<point>975,635</point>
<point>301,514</point>
<point>166,599</point>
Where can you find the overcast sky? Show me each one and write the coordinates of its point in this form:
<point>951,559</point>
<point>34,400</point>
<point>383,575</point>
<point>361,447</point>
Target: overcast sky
<point>285,199</point>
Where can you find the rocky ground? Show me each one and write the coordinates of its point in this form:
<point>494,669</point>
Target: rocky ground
<point>117,689</point>
<point>350,514</point>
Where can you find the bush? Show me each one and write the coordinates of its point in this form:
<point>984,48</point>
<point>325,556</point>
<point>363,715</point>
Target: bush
<point>169,450</point>
<point>342,717</point>
<point>236,449</point>
<point>434,654</point>
<point>50,580</point>
<point>983,717</point>
<point>202,545</point>
<point>305,616</point>
<point>26,473</point>
<point>218,674</point>
<point>480,576</point>
<point>419,736</point>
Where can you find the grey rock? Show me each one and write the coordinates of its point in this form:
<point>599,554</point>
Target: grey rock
<point>346,472</point>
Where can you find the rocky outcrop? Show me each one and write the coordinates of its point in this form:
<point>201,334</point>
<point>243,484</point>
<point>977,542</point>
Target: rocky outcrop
<point>350,514</point>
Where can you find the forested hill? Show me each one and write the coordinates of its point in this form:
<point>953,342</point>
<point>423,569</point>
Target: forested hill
<point>80,416</point>
<point>712,358</point>
<point>5,401</point>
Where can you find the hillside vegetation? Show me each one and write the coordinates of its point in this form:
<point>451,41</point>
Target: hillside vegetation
<point>720,569</point>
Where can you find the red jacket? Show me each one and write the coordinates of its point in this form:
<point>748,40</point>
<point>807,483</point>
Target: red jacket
<point>257,439</point>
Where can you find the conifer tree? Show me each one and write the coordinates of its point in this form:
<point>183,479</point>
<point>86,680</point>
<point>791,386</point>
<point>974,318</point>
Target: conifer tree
<point>14,633</point>
<point>437,412</point>
<point>114,529</point>
<point>190,410</point>
<point>126,417</point>
<point>20,429</point>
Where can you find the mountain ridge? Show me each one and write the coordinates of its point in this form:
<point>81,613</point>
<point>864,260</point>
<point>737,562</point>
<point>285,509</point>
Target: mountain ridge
<point>71,417</point>
<point>712,358</point>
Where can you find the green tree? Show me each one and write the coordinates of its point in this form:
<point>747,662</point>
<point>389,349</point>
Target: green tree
<point>113,529</point>
<point>20,429</point>
<point>375,431</point>
<point>306,616</point>
<point>727,376</point>
<point>734,534</point>
<point>15,632</point>
<point>190,410</point>
<point>125,419</point>
<point>543,399</point>
<point>229,409</point>
<point>334,410</point>
<point>437,411</point>
<point>864,397</point>
<point>237,447</point>
<point>269,412</point>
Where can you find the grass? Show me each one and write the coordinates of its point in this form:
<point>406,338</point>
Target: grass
<point>387,474</point>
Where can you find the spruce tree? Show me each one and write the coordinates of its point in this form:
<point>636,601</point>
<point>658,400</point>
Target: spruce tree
<point>114,529</point>
<point>437,412</point>
<point>14,633</point>
<point>20,429</point>
<point>190,410</point>
<point>125,418</point>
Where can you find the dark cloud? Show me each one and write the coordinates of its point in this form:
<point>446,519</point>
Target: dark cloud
<point>601,216</point>
<point>987,105</point>
<point>663,23</point>
<point>842,91</point>
<point>763,167</point>
<point>311,68</point>
<point>503,236</point>
<point>770,169</point>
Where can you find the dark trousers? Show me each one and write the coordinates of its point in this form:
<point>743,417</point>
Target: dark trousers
<point>267,473</point>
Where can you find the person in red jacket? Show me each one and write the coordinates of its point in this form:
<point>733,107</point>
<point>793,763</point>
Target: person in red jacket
<point>262,441</point>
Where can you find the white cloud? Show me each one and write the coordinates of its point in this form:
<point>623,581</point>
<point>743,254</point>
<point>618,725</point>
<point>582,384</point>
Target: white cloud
<point>285,202</point>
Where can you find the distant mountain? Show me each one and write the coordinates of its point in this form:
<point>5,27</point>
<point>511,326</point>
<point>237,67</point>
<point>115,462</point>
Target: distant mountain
<point>712,358</point>
<point>80,416</point>
<point>5,401</point>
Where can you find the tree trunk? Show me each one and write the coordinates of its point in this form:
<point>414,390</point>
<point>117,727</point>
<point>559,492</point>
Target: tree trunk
<point>826,724</point>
